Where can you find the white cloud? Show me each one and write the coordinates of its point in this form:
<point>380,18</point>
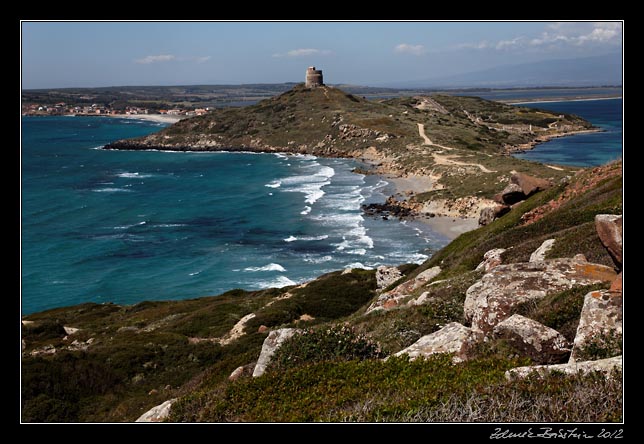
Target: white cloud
<point>405,48</point>
<point>155,59</point>
<point>303,52</point>
<point>559,34</point>
<point>202,59</point>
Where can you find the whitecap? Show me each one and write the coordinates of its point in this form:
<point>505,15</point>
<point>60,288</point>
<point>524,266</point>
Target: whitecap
<point>168,225</point>
<point>357,265</point>
<point>279,282</point>
<point>269,267</point>
<point>110,190</point>
<point>274,184</point>
<point>195,273</point>
<point>127,175</point>
<point>317,260</point>
<point>290,239</point>
<point>125,227</point>
<point>306,210</point>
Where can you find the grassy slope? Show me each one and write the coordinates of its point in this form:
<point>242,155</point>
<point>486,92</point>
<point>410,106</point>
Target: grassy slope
<point>141,354</point>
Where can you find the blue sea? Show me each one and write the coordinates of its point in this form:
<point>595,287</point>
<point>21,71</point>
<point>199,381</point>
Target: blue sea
<point>583,149</point>
<point>128,226</point>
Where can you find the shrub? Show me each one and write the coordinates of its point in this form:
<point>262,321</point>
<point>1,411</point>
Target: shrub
<point>325,344</point>
<point>602,346</point>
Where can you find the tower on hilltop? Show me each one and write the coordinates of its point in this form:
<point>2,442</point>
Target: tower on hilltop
<point>313,77</point>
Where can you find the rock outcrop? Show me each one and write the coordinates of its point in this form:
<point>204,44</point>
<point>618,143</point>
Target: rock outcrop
<point>489,214</point>
<point>385,276</point>
<point>609,229</point>
<point>273,341</point>
<point>601,319</point>
<point>491,300</point>
<point>158,413</point>
<point>533,339</point>
<point>394,297</point>
<point>452,338</point>
<point>529,184</point>
<point>491,259</point>
<point>521,187</point>
<point>242,370</point>
<point>607,366</point>
<point>540,253</point>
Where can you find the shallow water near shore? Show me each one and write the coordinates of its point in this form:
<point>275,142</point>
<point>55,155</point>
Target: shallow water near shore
<point>125,226</point>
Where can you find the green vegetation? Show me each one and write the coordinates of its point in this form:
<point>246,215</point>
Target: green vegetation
<point>335,343</point>
<point>603,346</point>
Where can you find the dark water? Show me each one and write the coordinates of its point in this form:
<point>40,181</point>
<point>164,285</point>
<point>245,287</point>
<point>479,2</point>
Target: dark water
<point>590,149</point>
<point>126,226</point>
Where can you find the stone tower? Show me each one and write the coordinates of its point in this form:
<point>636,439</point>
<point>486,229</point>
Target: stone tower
<point>313,77</point>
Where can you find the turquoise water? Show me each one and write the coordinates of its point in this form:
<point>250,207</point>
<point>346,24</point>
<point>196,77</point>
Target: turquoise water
<point>583,149</point>
<point>126,226</point>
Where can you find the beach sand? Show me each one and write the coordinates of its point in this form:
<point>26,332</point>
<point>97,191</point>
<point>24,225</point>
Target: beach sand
<point>162,118</point>
<point>450,227</point>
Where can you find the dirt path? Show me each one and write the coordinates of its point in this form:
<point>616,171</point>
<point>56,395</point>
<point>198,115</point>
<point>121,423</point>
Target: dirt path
<point>427,140</point>
<point>446,160</point>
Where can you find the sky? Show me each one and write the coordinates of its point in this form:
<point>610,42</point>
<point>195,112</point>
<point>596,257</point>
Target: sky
<point>90,54</point>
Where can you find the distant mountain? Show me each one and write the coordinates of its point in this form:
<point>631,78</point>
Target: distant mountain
<point>587,71</point>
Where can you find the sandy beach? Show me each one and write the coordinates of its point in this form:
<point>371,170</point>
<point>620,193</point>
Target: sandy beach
<point>162,118</point>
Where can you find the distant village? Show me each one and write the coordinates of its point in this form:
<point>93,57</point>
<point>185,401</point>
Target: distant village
<point>64,109</point>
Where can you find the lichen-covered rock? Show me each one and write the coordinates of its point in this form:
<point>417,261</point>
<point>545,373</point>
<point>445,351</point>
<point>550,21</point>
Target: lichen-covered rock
<point>273,341</point>
<point>607,366</point>
<point>529,184</point>
<point>385,276</point>
<point>540,253</point>
<point>510,195</point>
<point>491,259</point>
<point>491,300</point>
<point>543,344</point>
<point>158,413</point>
<point>609,229</point>
<point>489,214</point>
<point>601,317</point>
<point>242,370</point>
<point>453,338</point>
<point>394,297</point>
<point>617,283</point>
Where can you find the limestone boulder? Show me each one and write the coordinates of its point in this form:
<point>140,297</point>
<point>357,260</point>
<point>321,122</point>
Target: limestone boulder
<point>529,184</point>
<point>242,370</point>
<point>489,214</point>
<point>492,299</point>
<point>510,195</point>
<point>608,367</point>
<point>601,319</point>
<point>158,413</point>
<point>273,341</point>
<point>452,338</point>
<point>385,276</point>
<point>491,259</point>
<point>533,339</point>
<point>539,254</point>
<point>609,229</point>
<point>394,298</point>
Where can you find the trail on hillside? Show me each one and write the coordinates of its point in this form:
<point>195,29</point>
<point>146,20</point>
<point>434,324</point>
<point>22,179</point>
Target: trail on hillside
<point>427,140</point>
<point>447,160</point>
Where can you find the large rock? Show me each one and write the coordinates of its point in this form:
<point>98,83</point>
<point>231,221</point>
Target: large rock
<point>529,184</point>
<point>543,344</point>
<point>492,299</point>
<point>273,341</point>
<point>606,366</point>
<point>489,214</point>
<point>609,229</point>
<point>243,370</point>
<point>510,195</point>
<point>540,253</point>
<point>158,413</point>
<point>394,297</point>
<point>385,276</point>
<point>453,338</point>
<point>601,316</point>
<point>491,259</point>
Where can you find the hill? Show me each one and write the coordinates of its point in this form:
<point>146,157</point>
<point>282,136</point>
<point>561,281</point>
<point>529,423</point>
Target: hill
<point>459,143</point>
